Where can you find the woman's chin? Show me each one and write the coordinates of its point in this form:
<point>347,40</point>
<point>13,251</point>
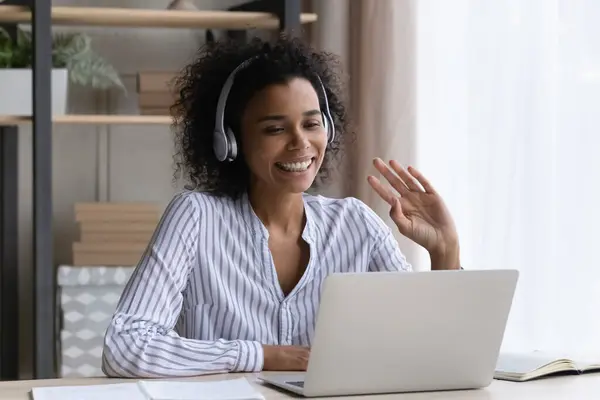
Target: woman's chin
<point>298,186</point>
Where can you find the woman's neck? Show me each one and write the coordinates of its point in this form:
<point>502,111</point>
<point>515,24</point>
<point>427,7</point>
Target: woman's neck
<point>279,212</point>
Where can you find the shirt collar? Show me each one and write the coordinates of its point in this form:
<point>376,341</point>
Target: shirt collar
<point>258,228</point>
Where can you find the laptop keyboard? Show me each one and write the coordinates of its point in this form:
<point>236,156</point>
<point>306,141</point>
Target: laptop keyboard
<point>296,383</point>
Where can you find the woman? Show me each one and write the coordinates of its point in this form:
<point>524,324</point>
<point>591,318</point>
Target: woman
<point>232,276</point>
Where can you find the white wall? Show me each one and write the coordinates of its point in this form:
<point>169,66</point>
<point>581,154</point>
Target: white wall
<point>90,163</point>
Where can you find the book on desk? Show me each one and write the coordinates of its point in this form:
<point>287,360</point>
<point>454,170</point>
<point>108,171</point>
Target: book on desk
<point>522,367</point>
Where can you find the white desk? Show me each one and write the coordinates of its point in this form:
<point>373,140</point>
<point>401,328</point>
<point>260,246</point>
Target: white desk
<point>564,388</point>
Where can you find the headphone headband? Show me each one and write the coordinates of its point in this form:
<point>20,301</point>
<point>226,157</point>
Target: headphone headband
<point>220,120</point>
<point>224,143</point>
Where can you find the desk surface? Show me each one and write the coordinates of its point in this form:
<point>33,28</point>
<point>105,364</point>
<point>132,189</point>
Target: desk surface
<point>579,387</point>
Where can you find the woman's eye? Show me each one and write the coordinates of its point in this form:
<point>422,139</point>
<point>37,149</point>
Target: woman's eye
<point>312,125</point>
<point>273,129</point>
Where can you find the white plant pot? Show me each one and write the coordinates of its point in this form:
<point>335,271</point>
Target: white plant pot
<point>16,91</point>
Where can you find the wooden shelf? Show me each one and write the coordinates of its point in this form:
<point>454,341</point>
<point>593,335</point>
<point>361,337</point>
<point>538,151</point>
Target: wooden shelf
<point>83,119</point>
<point>135,17</point>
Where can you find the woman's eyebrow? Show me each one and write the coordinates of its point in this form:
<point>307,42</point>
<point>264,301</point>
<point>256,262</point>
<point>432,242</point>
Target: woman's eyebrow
<point>271,118</point>
<point>310,113</point>
<point>274,117</point>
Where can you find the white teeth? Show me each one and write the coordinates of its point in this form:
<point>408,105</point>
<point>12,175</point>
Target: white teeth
<point>295,167</point>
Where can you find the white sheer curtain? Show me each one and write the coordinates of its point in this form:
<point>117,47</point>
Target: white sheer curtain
<point>508,128</point>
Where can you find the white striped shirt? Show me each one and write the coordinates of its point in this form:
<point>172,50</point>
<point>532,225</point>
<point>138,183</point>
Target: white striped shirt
<point>205,294</point>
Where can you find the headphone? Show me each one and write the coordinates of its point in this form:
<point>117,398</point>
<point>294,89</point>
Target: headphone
<point>224,143</point>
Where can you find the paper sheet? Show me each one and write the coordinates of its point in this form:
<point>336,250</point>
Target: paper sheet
<point>112,391</point>
<point>228,389</point>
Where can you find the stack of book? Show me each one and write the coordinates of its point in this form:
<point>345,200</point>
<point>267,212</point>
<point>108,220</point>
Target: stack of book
<point>112,233</point>
<point>155,92</point>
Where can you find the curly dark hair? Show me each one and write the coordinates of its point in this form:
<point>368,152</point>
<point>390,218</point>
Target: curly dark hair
<point>199,86</point>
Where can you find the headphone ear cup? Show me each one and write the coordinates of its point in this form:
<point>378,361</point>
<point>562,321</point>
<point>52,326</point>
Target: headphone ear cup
<point>220,146</point>
<point>232,148</point>
<point>326,124</point>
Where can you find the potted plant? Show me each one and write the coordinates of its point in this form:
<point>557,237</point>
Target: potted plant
<point>73,60</point>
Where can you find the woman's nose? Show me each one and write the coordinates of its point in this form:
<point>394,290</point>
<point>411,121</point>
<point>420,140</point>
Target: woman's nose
<point>299,140</point>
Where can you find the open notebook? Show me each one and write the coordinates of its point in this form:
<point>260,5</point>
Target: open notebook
<point>527,366</point>
<point>228,389</point>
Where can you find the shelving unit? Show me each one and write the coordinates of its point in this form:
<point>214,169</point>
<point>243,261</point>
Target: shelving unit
<point>127,17</point>
<point>284,15</point>
<point>93,119</point>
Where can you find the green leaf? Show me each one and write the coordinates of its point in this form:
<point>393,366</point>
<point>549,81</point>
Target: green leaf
<point>6,49</point>
<point>24,38</point>
<point>70,46</point>
<point>69,50</point>
<point>92,70</point>
<point>4,34</point>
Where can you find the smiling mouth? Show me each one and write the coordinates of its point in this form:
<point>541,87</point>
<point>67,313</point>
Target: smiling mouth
<point>295,166</point>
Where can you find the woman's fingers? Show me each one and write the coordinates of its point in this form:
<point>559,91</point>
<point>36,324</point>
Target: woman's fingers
<point>384,192</point>
<point>396,212</point>
<point>412,183</point>
<point>402,179</point>
<point>394,180</point>
<point>422,180</point>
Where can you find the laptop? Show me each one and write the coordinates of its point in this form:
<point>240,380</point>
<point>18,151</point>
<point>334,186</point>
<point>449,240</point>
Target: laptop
<point>396,332</point>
